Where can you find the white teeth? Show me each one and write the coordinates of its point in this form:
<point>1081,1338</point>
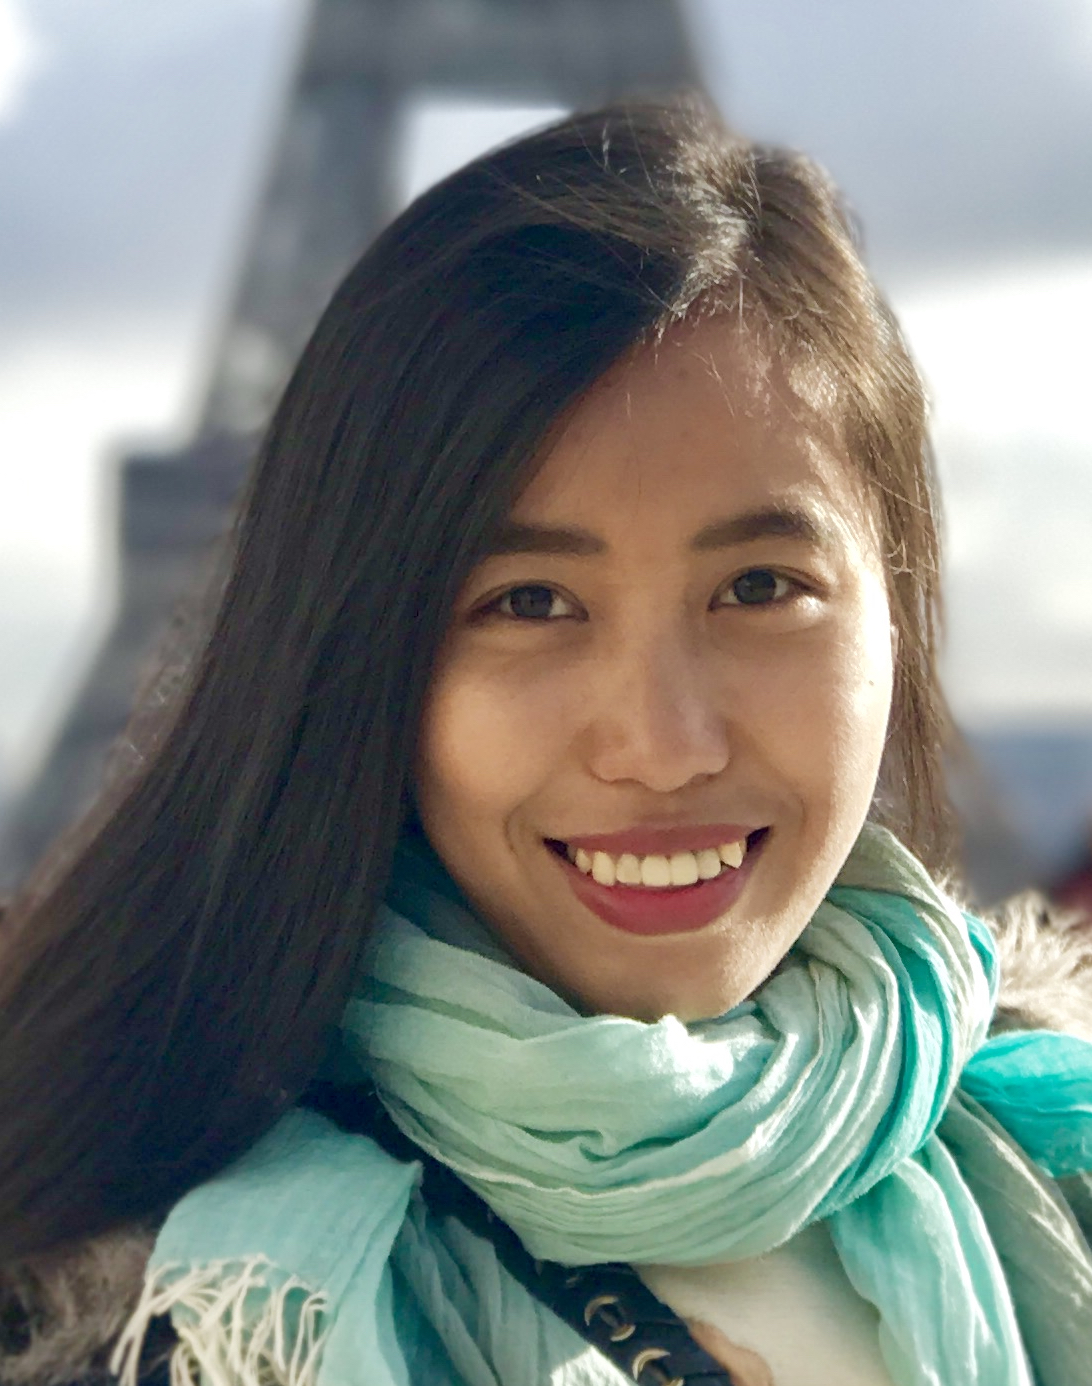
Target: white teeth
<point>602,868</point>
<point>628,870</point>
<point>684,869</point>
<point>658,872</point>
<point>655,871</point>
<point>709,863</point>
<point>731,853</point>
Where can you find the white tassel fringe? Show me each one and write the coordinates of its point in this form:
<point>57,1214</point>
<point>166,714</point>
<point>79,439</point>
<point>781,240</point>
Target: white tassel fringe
<point>217,1345</point>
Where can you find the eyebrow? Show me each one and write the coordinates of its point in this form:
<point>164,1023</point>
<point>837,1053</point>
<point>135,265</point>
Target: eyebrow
<point>776,521</point>
<point>772,522</point>
<point>546,539</point>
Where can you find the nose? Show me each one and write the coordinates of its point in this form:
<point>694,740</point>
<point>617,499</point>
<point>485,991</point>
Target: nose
<point>659,719</point>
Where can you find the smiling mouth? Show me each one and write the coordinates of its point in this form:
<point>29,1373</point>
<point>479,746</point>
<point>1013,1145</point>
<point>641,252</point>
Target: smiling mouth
<point>658,894</point>
<point>660,872</point>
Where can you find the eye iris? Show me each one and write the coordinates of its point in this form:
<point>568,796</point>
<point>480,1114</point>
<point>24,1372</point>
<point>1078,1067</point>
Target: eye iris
<point>531,603</point>
<point>759,585</point>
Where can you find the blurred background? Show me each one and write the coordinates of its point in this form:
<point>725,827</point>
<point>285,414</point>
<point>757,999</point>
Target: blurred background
<point>182,183</point>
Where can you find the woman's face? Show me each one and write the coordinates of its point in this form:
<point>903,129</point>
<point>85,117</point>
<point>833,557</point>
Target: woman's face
<point>657,719</point>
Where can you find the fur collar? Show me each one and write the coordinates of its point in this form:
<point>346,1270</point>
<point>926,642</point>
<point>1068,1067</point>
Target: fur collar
<point>60,1316</point>
<point>1046,968</point>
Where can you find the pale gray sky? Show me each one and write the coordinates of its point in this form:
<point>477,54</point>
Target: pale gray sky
<point>131,147</point>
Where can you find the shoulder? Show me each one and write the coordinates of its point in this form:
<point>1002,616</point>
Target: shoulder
<point>61,1315</point>
<point>1045,957</point>
<point>1045,961</point>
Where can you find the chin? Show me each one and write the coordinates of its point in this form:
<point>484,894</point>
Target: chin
<point>702,993</point>
<point>689,1009</point>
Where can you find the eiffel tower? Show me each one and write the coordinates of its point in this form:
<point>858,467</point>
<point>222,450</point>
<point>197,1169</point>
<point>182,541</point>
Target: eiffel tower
<point>331,186</point>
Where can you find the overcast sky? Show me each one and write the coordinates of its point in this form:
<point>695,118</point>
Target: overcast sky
<point>132,141</point>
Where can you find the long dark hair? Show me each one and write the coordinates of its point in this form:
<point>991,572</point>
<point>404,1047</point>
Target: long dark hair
<point>171,992</point>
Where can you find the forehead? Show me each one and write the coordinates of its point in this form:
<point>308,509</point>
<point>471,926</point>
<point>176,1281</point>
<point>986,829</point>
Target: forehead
<point>698,423</point>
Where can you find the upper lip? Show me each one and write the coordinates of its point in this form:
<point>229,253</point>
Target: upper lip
<point>662,841</point>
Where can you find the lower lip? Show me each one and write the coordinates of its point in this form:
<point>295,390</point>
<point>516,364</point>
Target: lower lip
<point>648,911</point>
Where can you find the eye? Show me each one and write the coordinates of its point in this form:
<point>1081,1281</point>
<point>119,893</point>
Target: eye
<point>757,587</point>
<point>532,601</point>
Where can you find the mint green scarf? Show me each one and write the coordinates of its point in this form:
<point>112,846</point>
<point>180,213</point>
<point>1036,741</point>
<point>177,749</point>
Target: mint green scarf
<point>855,1087</point>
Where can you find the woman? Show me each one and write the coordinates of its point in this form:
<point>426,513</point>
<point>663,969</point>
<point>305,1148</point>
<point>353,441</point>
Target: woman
<point>548,805</point>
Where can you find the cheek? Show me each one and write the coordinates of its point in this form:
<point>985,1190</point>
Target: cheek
<point>826,717</point>
<point>872,656</point>
<point>861,684</point>
<point>489,740</point>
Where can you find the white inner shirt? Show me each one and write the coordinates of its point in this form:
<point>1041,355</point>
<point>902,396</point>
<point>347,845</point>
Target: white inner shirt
<point>794,1308</point>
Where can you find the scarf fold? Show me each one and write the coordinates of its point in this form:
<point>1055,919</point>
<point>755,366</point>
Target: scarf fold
<point>855,1087</point>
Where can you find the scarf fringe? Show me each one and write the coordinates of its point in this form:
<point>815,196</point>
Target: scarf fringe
<point>220,1343</point>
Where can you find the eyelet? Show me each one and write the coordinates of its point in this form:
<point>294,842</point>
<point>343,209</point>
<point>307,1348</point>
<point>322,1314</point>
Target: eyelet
<point>644,1358</point>
<point>593,1306</point>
